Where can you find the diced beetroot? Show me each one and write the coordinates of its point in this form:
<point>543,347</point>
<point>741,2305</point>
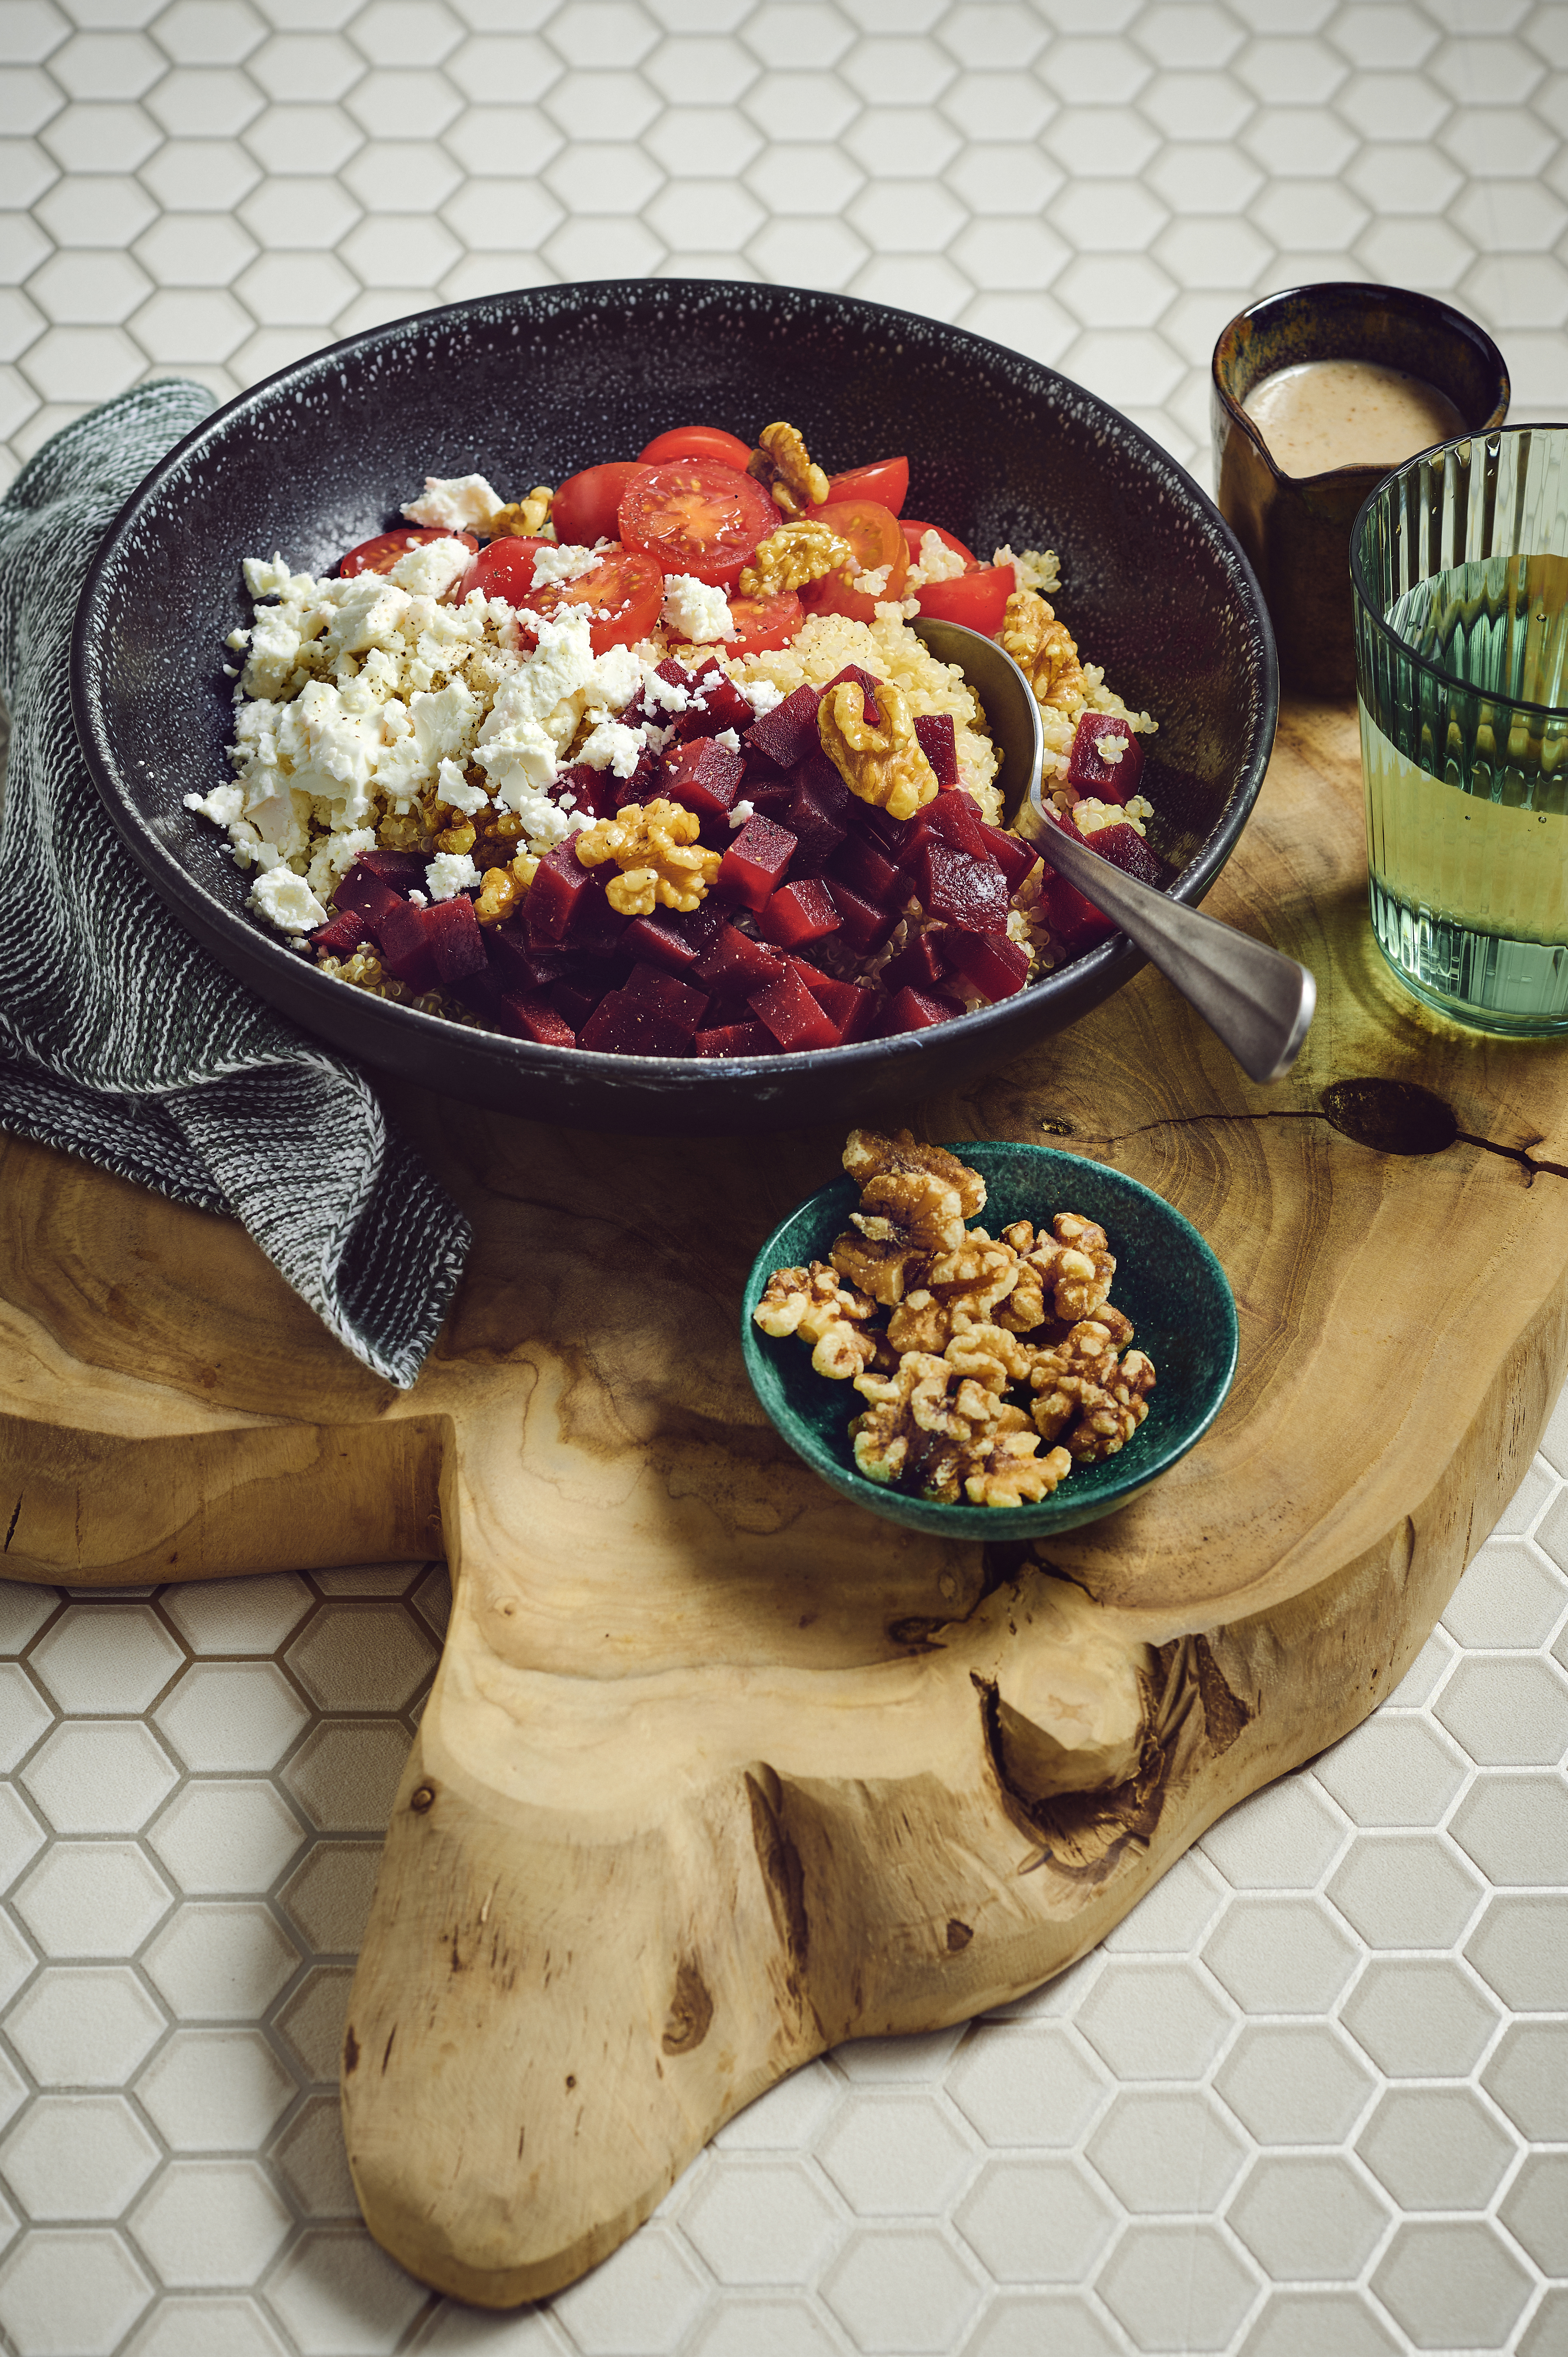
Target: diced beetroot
<point>817,817</point>
<point>1013,856</point>
<point>403,870</point>
<point>1088,772</point>
<point>1125,848</point>
<point>717,703</point>
<point>889,834</point>
<point>737,963</point>
<point>793,1014</point>
<point>797,913</point>
<point>772,801</point>
<point>644,785</point>
<point>912,1010</point>
<point>919,965</point>
<point>865,870</point>
<point>625,1025</point>
<point>574,1002</point>
<point>990,961</point>
<point>866,926</point>
<point>343,935</point>
<point>530,1015</point>
<point>453,932</point>
<point>848,1004</point>
<point>703,775</point>
<point>736,1040</point>
<point>517,965</point>
<point>363,892</point>
<point>558,885</point>
<point>938,743</point>
<point>483,993</point>
<point>595,928</point>
<point>593,791</point>
<point>1076,922</point>
<point>676,999</point>
<point>755,863</point>
<point>960,891</point>
<point>955,818</point>
<point>652,939</point>
<point>406,951</point>
<point>852,674</point>
<point>787,733</point>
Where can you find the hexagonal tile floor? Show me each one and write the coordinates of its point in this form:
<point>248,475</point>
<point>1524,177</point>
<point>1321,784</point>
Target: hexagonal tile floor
<point>1311,2100</point>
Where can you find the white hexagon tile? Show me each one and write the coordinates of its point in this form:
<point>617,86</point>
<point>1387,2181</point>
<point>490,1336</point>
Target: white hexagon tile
<point>1311,2100</point>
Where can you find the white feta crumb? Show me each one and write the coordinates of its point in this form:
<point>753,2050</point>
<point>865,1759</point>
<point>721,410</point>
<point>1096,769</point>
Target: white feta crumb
<point>727,737</point>
<point>740,812</point>
<point>287,901</point>
<point>454,503</point>
<point>222,805</point>
<point>264,578</point>
<point>238,640</point>
<point>432,567</point>
<point>449,873</point>
<point>762,695</point>
<point>454,789</point>
<point>618,676</point>
<point>569,561</point>
<point>611,746</point>
<point>698,610</point>
<point>418,901</point>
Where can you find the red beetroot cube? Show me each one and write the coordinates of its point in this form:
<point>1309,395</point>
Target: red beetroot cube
<point>625,1025</point>
<point>849,1006</point>
<point>593,791</point>
<point>516,965</point>
<point>736,962</point>
<point>347,933</point>
<point>705,776</point>
<point>364,892</point>
<point>957,889</point>
<point>1125,848</point>
<point>675,999</point>
<point>913,1010</point>
<point>938,743</point>
<point>530,1015</point>
<point>453,932</point>
<point>787,733</point>
<point>717,703</point>
<point>736,1040</point>
<point>866,871</point>
<point>594,928</point>
<point>798,912</point>
<point>866,926</point>
<point>794,1014</point>
<point>658,942</point>
<point>995,965</point>
<point>814,818</point>
<point>1089,771</point>
<point>853,675</point>
<point>1077,923</point>
<point>889,834</point>
<point>644,785</point>
<point>574,1002</point>
<point>755,863</point>
<point>1014,858</point>
<point>406,951</point>
<point>558,885</point>
<point>919,965</point>
<point>955,819</point>
<point>403,870</point>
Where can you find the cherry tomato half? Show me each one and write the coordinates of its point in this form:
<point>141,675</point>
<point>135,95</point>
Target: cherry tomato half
<point>698,442</point>
<point>379,555</point>
<point>623,593</point>
<point>761,623</point>
<point>504,569</point>
<point>873,533</point>
<point>584,509</point>
<point>693,516</point>
<point>885,480</point>
<point>978,599</point>
<point>914,533</point>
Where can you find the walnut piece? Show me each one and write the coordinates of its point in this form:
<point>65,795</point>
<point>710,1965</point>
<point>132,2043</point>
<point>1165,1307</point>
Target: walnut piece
<point>1088,1399</point>
<point>800,551</point>
<point>1074,1266</point>
<point>885,765</point>
<point>868,1155</point>
<point>811,1302</point>
<point>500,891</point>
<point>1008,1473</point>
<point>1044,651</point>
<point>783,464</point>
<point>522,518</point>
<point>929,1426</point>
<point>654,844</point>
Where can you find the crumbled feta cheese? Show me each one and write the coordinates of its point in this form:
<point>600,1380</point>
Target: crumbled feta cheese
<point>334,856</point>
<point>535,711</point>
<point>264,579</point>
<point>239,640</point>
<point>275,650</point>
<point>611,746</point>
<point>740,812</point>
<point>454,503</point>
<point>670,695</point>
<point>455,790</point>
<point>697,610</point>
<point>433,568</point>
<point>287,901</point>
<point>449,873</point>
<point>569,561</point>
<point>618,676</point>
<point>222,805</point>
<point>762,695</point>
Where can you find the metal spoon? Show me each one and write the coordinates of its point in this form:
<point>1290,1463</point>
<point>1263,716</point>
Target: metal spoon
<point>1258,1002</point>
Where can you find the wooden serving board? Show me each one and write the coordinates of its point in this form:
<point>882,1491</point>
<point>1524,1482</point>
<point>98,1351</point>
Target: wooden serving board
<point>717,1770</point>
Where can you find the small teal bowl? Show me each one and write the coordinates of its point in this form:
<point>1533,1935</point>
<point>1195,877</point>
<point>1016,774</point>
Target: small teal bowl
<point>1167,1281</point>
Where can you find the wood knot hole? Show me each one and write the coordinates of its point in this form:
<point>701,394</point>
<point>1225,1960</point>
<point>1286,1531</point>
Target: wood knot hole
<point>423,1798</point>
<point>959,1936</point>
<point>1391,1116</point>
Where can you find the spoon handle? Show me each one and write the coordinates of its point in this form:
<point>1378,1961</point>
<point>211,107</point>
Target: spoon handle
<point>1258,1002</point>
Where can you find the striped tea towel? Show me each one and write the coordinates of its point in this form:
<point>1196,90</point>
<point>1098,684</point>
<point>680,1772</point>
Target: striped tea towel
<point>122,1041</point>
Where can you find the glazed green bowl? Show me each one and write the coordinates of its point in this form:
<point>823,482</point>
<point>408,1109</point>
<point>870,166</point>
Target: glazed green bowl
<point>1167,1281</point>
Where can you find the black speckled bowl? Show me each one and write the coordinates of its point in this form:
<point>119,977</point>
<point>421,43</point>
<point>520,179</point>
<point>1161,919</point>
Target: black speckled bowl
<point>1167,1281</point>
<point>529,387</point>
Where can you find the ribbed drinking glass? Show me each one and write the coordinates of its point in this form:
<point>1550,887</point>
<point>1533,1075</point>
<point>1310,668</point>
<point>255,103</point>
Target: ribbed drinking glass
<point>1459,566</point>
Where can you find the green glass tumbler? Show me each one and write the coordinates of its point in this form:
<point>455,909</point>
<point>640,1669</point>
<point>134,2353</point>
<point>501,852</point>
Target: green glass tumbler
<point>1459,571</point>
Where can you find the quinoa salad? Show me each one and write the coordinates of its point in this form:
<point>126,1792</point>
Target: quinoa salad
<point>653,762</point>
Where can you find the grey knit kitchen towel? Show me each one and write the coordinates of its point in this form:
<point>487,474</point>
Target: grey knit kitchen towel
<point>122,1041</point>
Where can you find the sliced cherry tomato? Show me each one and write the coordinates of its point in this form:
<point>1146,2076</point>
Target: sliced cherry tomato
<point>761,623</point>
<point>878,540</point>
<point>699,442</point>
<point>693,516</point>
<point>584,509</point>
<point>623,593</point>
<point>914,533</point>
<point>885,480</point>
<point>379,555</point>
<point>504,569</point>
<point>978,599</point>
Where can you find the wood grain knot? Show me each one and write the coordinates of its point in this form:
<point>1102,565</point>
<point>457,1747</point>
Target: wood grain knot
<point>1391,1116</point>
<point>959,1936</point>
<point>690,2010</point>
<point>424,1797</point>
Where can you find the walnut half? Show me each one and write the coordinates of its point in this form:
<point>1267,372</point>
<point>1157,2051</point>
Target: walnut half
<point>782,464</point>
<point>882,761</point>
<point>654,844</point>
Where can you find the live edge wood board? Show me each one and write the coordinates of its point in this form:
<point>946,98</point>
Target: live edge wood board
<point>718,1771</point>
